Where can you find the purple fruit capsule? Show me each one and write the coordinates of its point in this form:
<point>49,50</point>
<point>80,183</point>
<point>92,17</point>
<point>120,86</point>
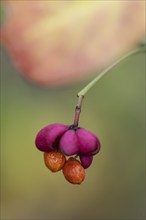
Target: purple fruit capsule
<point>86,160</point>
<point>70,140</point>
<point>87,141</point>
<point>69,143</point>
<point>79,141</point>
<point>48,137</point>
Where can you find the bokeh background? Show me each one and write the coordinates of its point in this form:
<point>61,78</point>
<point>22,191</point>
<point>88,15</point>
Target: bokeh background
<point>114,187</point>
<point>114,109</point>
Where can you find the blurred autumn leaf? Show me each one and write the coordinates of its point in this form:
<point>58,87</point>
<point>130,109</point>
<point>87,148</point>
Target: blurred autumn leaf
<point>62,42</point>
<point>1,13</point>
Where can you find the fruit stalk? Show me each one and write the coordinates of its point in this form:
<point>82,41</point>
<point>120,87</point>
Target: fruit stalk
<point>78,110</point>
<point>104,72</point>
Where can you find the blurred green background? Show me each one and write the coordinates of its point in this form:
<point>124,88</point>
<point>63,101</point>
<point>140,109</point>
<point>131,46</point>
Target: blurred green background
<point>115,183</point>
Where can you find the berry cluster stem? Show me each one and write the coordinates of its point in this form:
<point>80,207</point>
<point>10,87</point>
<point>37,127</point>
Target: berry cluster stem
<point>83,92</point>
<point>104,72</point>
<point>78,110</point>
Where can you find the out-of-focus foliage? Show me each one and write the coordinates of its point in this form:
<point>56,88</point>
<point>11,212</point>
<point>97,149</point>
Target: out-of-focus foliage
<point>61,42</point>
<point>1,14</point>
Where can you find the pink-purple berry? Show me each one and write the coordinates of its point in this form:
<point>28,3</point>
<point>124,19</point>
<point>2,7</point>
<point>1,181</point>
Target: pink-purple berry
<point>48,137</point>
<point>86,160</point>
<point>67,140</point>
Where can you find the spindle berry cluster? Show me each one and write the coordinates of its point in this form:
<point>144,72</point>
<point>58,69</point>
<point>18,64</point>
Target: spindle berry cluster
<point>59,141</point>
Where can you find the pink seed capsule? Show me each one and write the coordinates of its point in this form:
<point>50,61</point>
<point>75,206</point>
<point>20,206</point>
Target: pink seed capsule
<point>86,160</point>
<point>70,140</point>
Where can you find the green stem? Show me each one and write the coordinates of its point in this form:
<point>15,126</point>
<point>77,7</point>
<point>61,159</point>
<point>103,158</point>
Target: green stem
<point>104,72</point>
<point>83,92</point>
